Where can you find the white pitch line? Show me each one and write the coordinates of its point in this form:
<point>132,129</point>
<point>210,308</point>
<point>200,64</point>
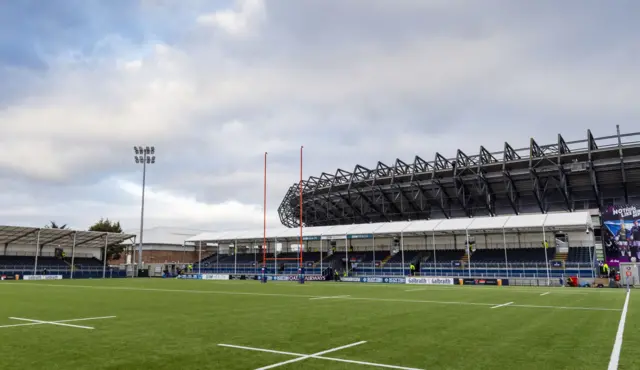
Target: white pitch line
<point>567,307</point>
<point>415,290</point>
<point>58,321</point>
<point>617,346</point>
<point>333,297</point>
<point>52,323</point>
<point>545,293</point>
<point>310,356</point>
<point>318,357</point>
<point>297,296</point>
<point>502,305</point>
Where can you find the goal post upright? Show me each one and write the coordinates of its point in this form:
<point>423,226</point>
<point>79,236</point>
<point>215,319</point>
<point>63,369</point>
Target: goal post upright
<point>301,188</point>
<point>264,217</point>
<point>264,224</point>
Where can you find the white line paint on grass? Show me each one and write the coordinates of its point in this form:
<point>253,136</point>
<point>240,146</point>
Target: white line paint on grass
<point>310,356</point>
<point>617,346</point>
<point>300,296</point>
<point>502,305</point>
<point>317,356</point>
<point>415,290</point>
<point>545,293</point>
<point>566,307</point>
<point>334,297</point>
<point>52,323</point>
<point>57,322</point>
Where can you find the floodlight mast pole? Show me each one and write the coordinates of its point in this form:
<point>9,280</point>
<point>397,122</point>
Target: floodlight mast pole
<point>143,156</point>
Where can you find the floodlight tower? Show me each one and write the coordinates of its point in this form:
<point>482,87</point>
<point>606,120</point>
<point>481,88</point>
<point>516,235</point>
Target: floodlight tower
<point>144,156</point>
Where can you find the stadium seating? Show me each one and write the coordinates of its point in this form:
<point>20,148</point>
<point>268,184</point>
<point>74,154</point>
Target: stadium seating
<point>408,256</point>
<point>29,261</point>
<point>523,262</point>
<point>581,254</point>
<point>86,262</point>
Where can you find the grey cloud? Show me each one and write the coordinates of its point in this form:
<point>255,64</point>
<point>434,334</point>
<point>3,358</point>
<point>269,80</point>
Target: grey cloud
<point>353,81</point>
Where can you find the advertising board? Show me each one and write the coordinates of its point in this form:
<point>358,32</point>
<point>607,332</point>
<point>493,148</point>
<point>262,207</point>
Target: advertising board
<point>393,280</point>
<point>429,281</point>
<point>295,278</point>
<point>371,280</point>
<point>350,279</point>
<point>42,277</point>
<point>556,263</point>
<point>467,281</point>
<point>214,277</point>
<point>621,233</point>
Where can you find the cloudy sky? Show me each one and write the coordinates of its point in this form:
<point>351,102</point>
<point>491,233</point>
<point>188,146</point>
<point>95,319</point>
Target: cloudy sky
<point>213,84</point>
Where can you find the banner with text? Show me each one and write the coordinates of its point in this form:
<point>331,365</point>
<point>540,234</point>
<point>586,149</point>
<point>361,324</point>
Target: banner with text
<point>214,277</point>
<point>497,282</point>
<point>621,233</point>
<point>374,280</point>
<point>429,281</point>
<point>42,277</point>
<point>295,278</point>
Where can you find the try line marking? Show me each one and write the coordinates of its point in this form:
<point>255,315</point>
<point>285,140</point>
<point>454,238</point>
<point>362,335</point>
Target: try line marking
<point>318,356</point>
<point>32,322</point>
<point>545,293</point>
<point>617,346</point>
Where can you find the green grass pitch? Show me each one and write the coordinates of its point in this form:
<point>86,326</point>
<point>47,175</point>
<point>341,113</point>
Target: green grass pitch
<point>180,324</point>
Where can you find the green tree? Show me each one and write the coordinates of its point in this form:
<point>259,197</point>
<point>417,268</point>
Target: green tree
<point>106,226</point>
<point>54,225</point>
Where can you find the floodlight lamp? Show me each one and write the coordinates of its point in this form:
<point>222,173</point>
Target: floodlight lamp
<point>153,159</point>
<point>137,160</point>
<point>135,149</point>
<point>147,150</point>
<point>139,150</point>
<point>153,150</point>
<point>148,159</point>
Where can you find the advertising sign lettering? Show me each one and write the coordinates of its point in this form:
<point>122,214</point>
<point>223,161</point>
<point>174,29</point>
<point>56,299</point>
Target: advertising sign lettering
<point>393,280</point>
<point>214,277</point>
<point>350,279</point>
<point>621,233</point>
<point>497,282</point>
<point>42,277</point>
<point>429,281</point>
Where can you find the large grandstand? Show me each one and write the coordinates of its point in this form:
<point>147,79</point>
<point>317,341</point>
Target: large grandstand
<point>561,176</point>
<point>451,217</point>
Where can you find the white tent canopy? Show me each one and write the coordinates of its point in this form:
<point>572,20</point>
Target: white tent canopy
<point>552,221</point>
